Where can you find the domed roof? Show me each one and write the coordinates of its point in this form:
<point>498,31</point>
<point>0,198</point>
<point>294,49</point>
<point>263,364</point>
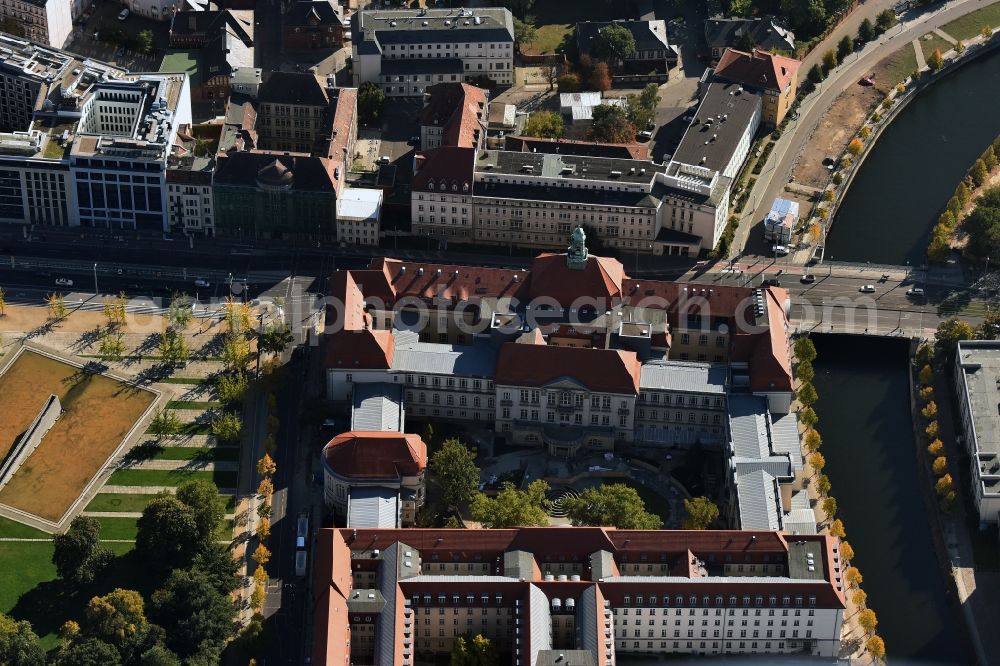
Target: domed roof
<point>275,174</point>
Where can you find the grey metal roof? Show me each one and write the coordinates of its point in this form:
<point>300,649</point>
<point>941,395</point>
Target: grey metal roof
<point>759,501</point>
<point>518,564</point>
<point>387,579</point>
<point>785,437</point>
<point>588,618</point>
<point>748,427</point>
<point>378,406</point>
<point>539,621</point>
<point>723,136</point>
<point>685,377</point>
<point>372,506</point>
<point>602,563</point>
<point>476,360</point>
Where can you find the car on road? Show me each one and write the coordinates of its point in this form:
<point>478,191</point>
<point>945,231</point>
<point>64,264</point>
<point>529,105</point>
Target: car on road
<point>915,291</point>
<point>644,135</point>
<point>808,278</point>
<point>385,159</point>
<point>867,289</point>
<point>64,282</point>
<point>771,282</point>
<point>123,14</point>
<point>780,250</point>
<point>202,282</point>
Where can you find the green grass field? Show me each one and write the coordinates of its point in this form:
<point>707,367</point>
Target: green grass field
<point>893,69</point>
<point>554,19</point>
<point>193,404</point>
<point>972,23</point>
<point>194,381</point>
<point>191,428</point>
<point>130,503</point>
<point>549,37</point>
<point>935,42</point>
<point>11,529</point>
<point>206,453</point>
<point>156,477</point>
<point>118,528</point>
<point>31,563</point>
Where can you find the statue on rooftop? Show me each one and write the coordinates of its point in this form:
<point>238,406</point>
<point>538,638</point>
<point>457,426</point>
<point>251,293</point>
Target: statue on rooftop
<point>576,255</point>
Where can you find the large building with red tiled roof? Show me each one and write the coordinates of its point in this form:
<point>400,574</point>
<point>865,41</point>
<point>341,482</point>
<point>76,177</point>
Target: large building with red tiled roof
<point>454,114</point>
<point>775,77</point>
<point>550,596</point>
<point>375,478</point>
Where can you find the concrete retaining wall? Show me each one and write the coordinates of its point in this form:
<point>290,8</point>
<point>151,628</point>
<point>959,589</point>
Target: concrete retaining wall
<point>30,439</point>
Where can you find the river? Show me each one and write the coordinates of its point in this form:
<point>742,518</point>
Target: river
<point>871,461</point>
<point>904,184</point>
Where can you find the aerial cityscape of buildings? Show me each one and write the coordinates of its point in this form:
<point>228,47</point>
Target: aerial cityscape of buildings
<point>395,334</point>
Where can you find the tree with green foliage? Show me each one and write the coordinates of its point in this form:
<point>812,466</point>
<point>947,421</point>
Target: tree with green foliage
<point>614,43</point>
<point>823,484</point>
<point>544,124</point>
<point>274,339</point>
<point>179,312</point>
<point>886,19</point>
<point>807,17</point>
<point>568,83</point>
<point>455,472</point>
<point>475,651</point>
<point>371,97</point>
<point>816,74</point>
<point>524,33</point>
<point>808,417</point>
<point>512,507</point>
<point>197,617</point>
<point>227,426</point>
<point>866,31</point>
<point>159,655</point>
<point>56,305</point>
<point>110,346</point>
<point>805,350</point>
<point>19,645</point>
<point>215,561</point>
<point>87,651</point>
<point>844,47</point>
<point>230,387</point>
<point>805,372</point>
<point>641,109</point>
<point>611,505</point>
<point>699,513</point>
<point>235,352</point>
<point>983,224</point>
<point>119,619</point>
<point>979,173</point>
<point>950,332</point>
<point>611,125</point>
<point>173,347</point>
<point>807,395</point>
<point>203,498</point>
<point>78,554</point>
<point>168,533</point>
<point>164,423</point>
<point>990,159</point>
<point>145,41</point>
<point>829,505</point>
<point>989,329</point>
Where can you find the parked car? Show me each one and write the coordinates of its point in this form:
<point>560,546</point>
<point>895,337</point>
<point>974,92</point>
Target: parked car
<point>202,282</point>
<point>123,14</point>
<point>645,136</point>
<point>64,282</point>
<point>808,278</point>
<point>915,291</point>
<point>867,289</point>
<point>385,159</point>
<point>780,250</point>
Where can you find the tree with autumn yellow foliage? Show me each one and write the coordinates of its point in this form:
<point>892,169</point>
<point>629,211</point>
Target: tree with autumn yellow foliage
<point>936,448</point>
<point>859,597</point>
<point>846,551</point>
<point>261,555</point>
<point>855,146</point>
<point>940,465</point>
<point>266,466</point>
<point>817,461</point>
<point>868,620</point>
<point>876,647</point>
<point>853,576</point>
<point>837,527</point>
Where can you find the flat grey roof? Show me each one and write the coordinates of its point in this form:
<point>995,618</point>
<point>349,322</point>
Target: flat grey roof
<point>378,406</point>
<point>720,99</point>
<point>566,167</point>
<point>477,360</point>
<point>759,501</point>
<point>679,376</point>
<point>405,26</point>
<point>365,601</point>
<point>980,363</point>
<point>805,560</point>
<point>373,506</point>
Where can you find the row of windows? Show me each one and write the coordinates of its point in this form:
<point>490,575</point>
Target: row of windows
<point>772,600</point>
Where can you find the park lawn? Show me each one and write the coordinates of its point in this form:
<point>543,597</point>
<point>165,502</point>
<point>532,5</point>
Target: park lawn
<point>118,528</point>
<point>194,381</point>
<point>965,27</point>
<point>935,42</point>
<point>173,477</point>
<point>193,404</point>
<point>895,68</point>
<point>549,37</point>
<point>30,562</point>
<point>126,502</point>
<point>191,428</point>
<point>205,453</point>
<point>11,529</point>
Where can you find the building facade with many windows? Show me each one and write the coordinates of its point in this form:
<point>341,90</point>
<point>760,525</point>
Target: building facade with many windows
<point>407,51</point>
<point>583,595</point>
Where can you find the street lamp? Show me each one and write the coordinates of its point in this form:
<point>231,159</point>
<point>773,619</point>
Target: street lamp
<point>96,292</point>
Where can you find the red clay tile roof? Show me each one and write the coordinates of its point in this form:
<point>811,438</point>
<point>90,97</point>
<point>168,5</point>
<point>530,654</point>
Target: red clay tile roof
<point>458,108</point>
<point>368,349</point>
<point>448,281</point>
<point>552,278</point>
<point>376,454</point>
<point>445,169</point>
<point>603,370</point>
<point>759,69</point>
